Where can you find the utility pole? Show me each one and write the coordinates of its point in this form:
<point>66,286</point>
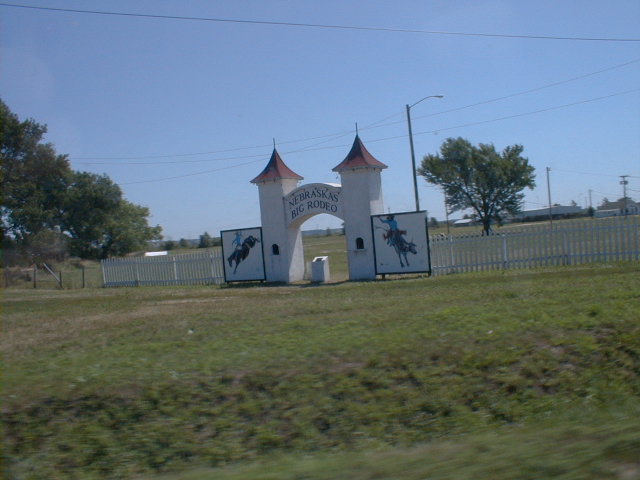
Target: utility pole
<point>413,155</point>
<point>413,161</point>
<point>549,196</point>
<point>624,182</point>
<point>590,204</point>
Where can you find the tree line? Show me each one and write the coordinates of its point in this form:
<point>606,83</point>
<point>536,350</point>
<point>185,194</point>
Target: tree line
<point>205,241</point>
<point>50,210</point>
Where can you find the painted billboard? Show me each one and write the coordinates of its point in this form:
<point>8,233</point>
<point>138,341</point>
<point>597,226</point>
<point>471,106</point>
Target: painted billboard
<point>400,242</point>
<point>243,255</point>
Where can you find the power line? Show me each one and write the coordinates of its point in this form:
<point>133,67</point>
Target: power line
<point>523,92</point>
<point>320,25</point>
<point>586,173</point>
<point>391,138</point>
<point>606,195</point>
<point>482,122</point>
<point>328,137</point>
<point>536,89</point>
<point>171,155</point>
<point>192,174</point>
<point>566,105</point>
<point>537,203</point>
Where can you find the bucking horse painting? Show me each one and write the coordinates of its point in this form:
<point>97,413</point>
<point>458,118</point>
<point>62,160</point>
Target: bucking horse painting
<point>395,238</point>
<point>242,250</point>
<point>402,248</point>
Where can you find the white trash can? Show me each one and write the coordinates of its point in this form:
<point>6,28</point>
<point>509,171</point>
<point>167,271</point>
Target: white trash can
<point>320,269</point>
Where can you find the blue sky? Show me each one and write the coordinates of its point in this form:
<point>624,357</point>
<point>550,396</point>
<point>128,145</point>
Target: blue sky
<point>183,113</point>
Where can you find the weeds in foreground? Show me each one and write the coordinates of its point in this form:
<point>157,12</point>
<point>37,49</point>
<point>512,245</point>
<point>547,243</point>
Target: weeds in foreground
<point>114,383</point>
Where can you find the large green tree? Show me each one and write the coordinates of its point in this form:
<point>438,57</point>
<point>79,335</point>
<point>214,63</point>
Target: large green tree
<point>44,199</point>
<point>100,222</point>
<point>480,178</point>
<point>128,230</point>
<point>33,176</point>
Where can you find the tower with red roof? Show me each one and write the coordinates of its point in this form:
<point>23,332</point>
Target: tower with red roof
<point>285,206</point>
<point>283,250</point>
<point>362,193</point>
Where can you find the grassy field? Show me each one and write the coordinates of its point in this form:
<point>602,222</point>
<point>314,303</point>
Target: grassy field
<point>467,376</point>
<point>333,246</point>
<point>605,447</point>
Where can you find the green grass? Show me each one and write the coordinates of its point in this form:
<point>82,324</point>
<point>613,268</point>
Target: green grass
<point>604,447</point>
<point>114,383</point>
<point>333,246</point>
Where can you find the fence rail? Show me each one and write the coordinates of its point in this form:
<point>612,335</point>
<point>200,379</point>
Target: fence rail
<point>188,269</point>
<point>61,277</point>
<point>565,243</point>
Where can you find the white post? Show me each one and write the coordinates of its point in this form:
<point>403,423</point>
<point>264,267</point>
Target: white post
<point>505,255</point>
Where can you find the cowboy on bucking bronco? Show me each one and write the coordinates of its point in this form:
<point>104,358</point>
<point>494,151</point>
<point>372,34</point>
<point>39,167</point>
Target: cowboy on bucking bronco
<point>393,236</point>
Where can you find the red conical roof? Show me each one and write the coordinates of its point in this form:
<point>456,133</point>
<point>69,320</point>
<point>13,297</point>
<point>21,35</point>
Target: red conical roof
<point>359,157</point>
<point>276,170</point>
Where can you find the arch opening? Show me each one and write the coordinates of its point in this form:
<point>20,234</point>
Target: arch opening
<point>323,235</point>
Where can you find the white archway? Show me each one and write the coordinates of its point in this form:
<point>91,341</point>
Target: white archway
<point>285,206</point>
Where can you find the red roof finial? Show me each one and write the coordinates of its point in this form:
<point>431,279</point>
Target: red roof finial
<point>276,170</point>
<point>359,157</point>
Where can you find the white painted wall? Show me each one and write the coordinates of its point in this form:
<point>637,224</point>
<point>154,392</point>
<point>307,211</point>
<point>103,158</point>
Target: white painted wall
<point>288,266</point>
<point>360,196</point>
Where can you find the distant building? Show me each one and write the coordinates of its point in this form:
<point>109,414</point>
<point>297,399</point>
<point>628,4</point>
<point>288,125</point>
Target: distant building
<point>464,222</point>
<point>556,211</point>
<point>617,209</point>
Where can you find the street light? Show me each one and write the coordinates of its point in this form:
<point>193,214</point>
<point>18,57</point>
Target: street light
<point>413,155</point>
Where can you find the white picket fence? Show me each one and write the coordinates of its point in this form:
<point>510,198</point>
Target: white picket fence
<point>535,245</point>
<point>563,243</point>
<point>188,269</point>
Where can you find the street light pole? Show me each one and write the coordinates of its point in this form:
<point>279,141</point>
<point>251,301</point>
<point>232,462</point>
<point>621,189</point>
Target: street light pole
<point>413,155</point>
<point>549,197</point>
<point>624,182</point>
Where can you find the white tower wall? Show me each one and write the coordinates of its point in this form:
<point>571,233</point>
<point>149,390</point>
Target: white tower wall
<point>288,265</point>
<point>362,196</point>
<point>359,197</point>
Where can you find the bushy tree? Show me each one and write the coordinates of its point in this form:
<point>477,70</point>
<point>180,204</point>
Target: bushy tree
<point>47,245</point>
<point>34,178</point>
<point>100,222</point>
<point>205,241</point>
<point>90,203</point>
<point>44,200</point>
<point>480,178</point>
<point>128,230</point>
